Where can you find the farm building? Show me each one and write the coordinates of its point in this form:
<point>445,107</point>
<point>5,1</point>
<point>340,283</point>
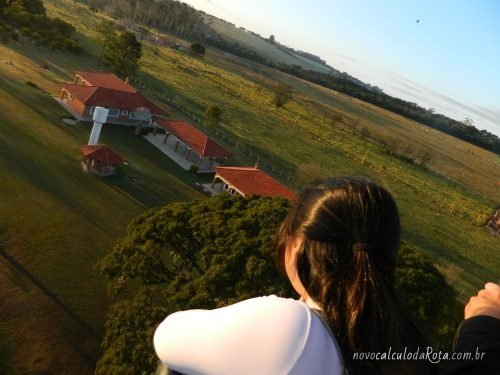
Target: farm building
<point>125,104</point>
<point>100,160</point>
<point>194,147</point>
<point>247,181</point>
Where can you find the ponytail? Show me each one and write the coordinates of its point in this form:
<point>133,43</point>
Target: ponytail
<point>350,234</point>
<point>358,300</point>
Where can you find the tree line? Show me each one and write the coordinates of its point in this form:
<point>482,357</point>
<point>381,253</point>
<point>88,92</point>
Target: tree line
<point>167,15</point>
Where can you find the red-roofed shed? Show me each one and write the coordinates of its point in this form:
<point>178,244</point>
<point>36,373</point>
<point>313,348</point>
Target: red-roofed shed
<point>194,141</point>
<point>100,159</point>
<point>250,180</point>
<point>106,90</point>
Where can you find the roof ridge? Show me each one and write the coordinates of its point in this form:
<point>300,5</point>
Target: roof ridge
<point>243,169</point>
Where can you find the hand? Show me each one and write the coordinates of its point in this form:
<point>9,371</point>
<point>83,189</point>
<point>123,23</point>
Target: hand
<point>487,302</point>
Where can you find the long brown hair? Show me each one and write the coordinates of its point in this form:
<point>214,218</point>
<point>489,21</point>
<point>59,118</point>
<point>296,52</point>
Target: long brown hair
<point>350,233</point>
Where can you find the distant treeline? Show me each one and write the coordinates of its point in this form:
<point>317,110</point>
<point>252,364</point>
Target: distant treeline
<point>183,20</point>
<point>28,19</point>
<point>463,130</point>
<point>166,15</point>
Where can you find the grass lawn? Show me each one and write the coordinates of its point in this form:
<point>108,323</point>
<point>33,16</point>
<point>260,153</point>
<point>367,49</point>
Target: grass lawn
<point>56,221</point>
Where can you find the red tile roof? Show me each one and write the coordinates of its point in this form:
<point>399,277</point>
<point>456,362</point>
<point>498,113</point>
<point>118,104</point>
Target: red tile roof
<point>110,98</point>
<point>194,138</point>
<point>106,80</point>
<point>253,181</point>
<point>102,154</point>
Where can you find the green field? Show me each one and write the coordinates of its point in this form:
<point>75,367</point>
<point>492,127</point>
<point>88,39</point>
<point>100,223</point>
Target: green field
<point>56,221</point>
<point>261,47</point>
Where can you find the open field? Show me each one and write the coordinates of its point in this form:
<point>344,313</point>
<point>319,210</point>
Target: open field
<point>56,221</point>
<point>261,47</point>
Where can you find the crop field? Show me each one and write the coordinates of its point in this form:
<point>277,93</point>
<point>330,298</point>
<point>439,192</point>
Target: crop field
<point>56,221</point>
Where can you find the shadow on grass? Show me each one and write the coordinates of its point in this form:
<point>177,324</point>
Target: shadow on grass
<point>43,177</point>
<point>20,269</point>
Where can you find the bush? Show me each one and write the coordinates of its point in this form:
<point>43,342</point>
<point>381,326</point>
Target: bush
<point>197,48</point>
<point>282,94</point>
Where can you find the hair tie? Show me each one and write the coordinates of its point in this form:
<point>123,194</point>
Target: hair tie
<point>360,247</point>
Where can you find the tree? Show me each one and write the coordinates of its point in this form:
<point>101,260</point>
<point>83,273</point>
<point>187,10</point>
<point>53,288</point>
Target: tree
<point>217,251</point>
<point>272,39</point>
<point>282,94</point>
<point>212,115</point>
<point>105,32</point>
<point>204,254</point>
<point>197,48</point>
<point>426,297</point>
<point>122,54</point>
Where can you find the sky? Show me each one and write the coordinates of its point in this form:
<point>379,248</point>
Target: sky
<point>441,54</point>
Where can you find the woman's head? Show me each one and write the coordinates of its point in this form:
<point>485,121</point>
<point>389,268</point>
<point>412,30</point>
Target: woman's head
<point>340,242</point>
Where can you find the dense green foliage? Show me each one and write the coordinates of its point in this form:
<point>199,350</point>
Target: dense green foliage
<point>206,253</point>
<point>214,252</point>
<point>282,94</point>
<point>27,18</point>
<point>212,115</point>
<point>197,48</point>
<point>121,50</point>
<point>168,15</point>
<point>426,296</point>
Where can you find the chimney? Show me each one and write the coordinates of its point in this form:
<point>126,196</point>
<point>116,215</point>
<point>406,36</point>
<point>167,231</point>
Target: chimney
<point>126,80</point>
<point>256,165</point>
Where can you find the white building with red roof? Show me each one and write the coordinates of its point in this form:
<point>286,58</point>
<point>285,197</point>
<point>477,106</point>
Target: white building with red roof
<point>125,104</point>
<point>187,145</point>
<point>246,181</point>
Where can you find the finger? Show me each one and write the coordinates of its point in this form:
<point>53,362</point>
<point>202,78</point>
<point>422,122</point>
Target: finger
<point>492,287</point>
<point>483,293</point>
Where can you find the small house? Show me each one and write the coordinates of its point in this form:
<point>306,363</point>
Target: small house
<point>100,160</point>
<point>244,181</point>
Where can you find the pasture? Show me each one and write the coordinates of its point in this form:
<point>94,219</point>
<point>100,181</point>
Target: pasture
<point>261,47</point>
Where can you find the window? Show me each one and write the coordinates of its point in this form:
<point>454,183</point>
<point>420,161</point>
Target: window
<point>124,112</point>
<point>136,116</point>
<point>113,113</point>
<point>92,110</point>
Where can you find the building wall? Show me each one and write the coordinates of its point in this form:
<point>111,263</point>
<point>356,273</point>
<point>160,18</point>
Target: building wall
<point>78,106</point>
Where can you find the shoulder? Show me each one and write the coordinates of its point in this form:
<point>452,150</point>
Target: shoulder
<point>277,327</point>
<point>268,307</point>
